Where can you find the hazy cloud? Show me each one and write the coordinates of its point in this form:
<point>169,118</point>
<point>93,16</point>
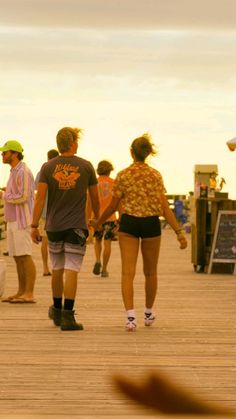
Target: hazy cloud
<point>156,14</point>
<point>180,57</point>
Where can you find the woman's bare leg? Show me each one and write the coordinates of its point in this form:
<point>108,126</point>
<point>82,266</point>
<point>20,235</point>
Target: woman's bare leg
<point>129,247</point>
<point>150,248</point>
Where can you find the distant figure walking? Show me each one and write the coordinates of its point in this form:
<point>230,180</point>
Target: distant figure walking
<point>66,178</point>
<point>18,208</point>
<point>105,235</point>
<point>44,243</point>
<point>140,190</point>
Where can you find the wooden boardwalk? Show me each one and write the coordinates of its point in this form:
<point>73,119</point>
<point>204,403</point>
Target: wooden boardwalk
<point>46,373</point>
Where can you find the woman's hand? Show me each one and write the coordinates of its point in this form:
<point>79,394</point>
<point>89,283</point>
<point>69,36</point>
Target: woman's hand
<point>94,223</point>
<point>182,240</point>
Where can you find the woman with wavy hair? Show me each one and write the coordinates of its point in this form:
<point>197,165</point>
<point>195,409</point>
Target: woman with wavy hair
<point>140,190</point>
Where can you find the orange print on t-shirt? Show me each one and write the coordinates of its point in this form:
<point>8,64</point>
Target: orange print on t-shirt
<point>66,176</point>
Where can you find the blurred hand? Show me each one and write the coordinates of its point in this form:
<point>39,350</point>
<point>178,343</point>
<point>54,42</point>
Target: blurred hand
<point>94,223</point>
<point>183,241</point>
<point>35,236</point>
<point>165,396</point>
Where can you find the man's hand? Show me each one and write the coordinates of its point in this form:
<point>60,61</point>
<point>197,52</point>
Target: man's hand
<point>94,223</point>
<point>36,238</point>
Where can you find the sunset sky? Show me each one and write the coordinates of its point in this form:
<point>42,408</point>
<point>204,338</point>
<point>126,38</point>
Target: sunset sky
<point>118,68</point>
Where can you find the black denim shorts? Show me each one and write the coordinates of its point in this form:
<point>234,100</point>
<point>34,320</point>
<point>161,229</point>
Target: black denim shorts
<point>143,227</point>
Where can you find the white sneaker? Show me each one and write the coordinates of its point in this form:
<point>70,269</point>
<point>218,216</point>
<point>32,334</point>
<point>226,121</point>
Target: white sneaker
<point>131,324</point>
<point>149,318</point>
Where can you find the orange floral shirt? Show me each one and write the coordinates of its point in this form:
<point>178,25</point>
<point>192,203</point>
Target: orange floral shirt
<point>140,188</point>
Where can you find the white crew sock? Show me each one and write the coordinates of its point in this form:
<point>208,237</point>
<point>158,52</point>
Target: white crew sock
<point>148,310</point>
<point>131,313</point>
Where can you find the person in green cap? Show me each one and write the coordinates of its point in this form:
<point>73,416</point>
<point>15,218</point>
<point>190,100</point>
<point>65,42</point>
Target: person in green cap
<point>18,198</point>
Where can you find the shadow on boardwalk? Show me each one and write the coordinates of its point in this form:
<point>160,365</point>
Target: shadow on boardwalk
<point>46,372</point>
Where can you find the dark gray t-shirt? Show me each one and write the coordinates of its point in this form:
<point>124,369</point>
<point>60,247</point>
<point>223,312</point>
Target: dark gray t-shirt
<point>68,179</point>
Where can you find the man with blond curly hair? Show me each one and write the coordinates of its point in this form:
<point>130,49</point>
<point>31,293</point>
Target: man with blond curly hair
<point>67,179</point>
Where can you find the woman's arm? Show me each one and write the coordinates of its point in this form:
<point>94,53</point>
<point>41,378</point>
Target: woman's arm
<point>112,207</point>
<point>171,220</point>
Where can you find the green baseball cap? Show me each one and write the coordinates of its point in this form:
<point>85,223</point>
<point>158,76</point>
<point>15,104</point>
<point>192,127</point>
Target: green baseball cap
<point>12,145</point>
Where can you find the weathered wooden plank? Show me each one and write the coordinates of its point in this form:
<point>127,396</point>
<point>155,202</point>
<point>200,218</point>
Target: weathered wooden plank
<point>47,373</point>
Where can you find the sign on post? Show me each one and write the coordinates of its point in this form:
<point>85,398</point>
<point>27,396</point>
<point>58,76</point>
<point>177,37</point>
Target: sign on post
<point>224,242</point>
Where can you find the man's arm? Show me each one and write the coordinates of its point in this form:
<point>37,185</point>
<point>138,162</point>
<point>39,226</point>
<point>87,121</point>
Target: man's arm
<point>38,209</point>
<point>112,207</point>
<point>94,199</point>
<point>20,195</point>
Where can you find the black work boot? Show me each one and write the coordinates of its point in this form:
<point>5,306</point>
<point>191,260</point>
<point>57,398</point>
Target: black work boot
<point>55,315</point>
<point>68,321</point>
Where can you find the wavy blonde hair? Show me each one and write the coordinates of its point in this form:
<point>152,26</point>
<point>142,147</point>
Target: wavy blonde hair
<point>143,146</point>
<point>66,136</point>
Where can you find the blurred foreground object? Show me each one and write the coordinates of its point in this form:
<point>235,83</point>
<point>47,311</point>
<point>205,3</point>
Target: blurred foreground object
<point>232,144</point>
<point>165,396</point>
